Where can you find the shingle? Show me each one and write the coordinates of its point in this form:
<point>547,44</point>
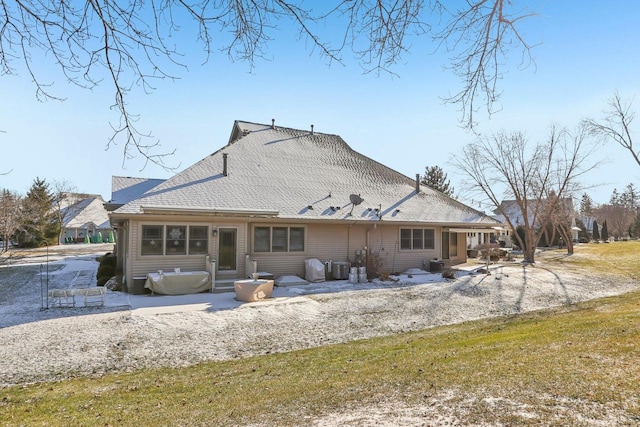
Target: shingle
<point>125,189</point>
<point>288,170</point>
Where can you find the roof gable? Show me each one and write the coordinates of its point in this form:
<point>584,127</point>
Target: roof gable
<point>86,211</point>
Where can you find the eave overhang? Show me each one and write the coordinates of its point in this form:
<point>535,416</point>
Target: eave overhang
<point>179,210</point>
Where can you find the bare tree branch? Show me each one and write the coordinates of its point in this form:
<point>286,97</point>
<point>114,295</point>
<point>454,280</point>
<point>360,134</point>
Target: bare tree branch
<point>617,125</point>
<point>129,44</point>
<point>480,36</point>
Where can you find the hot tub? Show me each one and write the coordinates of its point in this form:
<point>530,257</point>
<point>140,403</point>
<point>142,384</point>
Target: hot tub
<point>253,290</point>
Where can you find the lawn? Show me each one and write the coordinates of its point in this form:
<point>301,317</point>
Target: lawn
<point>573,365</point>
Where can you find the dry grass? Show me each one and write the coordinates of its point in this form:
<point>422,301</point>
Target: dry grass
<point>619,258</point>
<point>574,365</point>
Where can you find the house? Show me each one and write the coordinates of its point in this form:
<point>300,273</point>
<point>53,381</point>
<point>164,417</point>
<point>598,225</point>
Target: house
<point>84,218</point>
<point>274,197</point>
<point>564,213</point>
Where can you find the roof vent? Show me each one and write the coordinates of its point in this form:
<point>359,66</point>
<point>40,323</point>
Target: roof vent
<point>417,183</point>
<point>224,164</point>
<point>311,129</point>
<point>273,123</point>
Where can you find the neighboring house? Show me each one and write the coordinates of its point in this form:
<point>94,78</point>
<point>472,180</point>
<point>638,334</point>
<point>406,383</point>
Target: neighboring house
<point>276,197</point>
<point>84,216</point>
<point>514,213</point>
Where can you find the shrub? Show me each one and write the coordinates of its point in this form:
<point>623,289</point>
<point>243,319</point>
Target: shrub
<point>449,273</point>
<point>106,269</point>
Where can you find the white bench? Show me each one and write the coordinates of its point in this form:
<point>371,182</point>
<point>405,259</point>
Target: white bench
<point>92,296</point>
<point>62,297</point>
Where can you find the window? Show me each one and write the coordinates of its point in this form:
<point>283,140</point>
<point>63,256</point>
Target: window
<point>278,239</point>
<point>152,240</point>
<point>262,239</point>
<point>417,238</point>
<point>429,239</point>
<point>174,240</point>
<point>198,240</point>
<point>296,239</point>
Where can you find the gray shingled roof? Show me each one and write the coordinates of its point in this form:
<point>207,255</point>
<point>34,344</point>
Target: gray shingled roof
<point>125,189</point>
<point>89,210</point>
<point>288,171</point>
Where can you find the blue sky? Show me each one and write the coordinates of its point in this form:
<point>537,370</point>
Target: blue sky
<point>584,53</point>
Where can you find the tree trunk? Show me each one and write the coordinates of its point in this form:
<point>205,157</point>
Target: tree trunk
<point>566,235</point>
<point>529,253</point>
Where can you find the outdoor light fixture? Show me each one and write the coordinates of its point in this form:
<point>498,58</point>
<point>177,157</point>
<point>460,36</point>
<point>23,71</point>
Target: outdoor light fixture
<point>214,232</point>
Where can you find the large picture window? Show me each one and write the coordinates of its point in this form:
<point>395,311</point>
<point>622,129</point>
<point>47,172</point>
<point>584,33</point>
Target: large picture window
<point>174,240</point>
<point>417,238</point>
<point>278,239</point>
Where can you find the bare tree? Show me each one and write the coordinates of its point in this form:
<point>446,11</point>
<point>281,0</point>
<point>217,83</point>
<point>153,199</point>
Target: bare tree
<point>617,125</point>
<point>560,215</point>
<point>10,217</point>
<point>64,195</point>
<point>507,166</point>
<point>131,44</point>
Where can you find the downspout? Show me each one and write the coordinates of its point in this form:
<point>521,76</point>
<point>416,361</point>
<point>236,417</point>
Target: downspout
<point>349,241</point>
<point>366,249</point>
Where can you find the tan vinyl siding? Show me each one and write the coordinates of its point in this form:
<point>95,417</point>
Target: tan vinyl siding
<point>140,265</point>
<point>406,259</point>
<point>322,241</point>
<point>326,242</point>
<point>339,242</point>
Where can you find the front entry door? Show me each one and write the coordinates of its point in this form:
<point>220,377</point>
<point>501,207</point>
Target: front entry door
<point>227,244</point>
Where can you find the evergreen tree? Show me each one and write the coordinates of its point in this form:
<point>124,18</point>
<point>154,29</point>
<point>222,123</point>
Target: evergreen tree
<point>435,178</point>
<point>605,232</point>
<point>40,223</point>
<point>595,233</point>
<point>630,197</point>
<point>586,205</point>
<point>615,198</point>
